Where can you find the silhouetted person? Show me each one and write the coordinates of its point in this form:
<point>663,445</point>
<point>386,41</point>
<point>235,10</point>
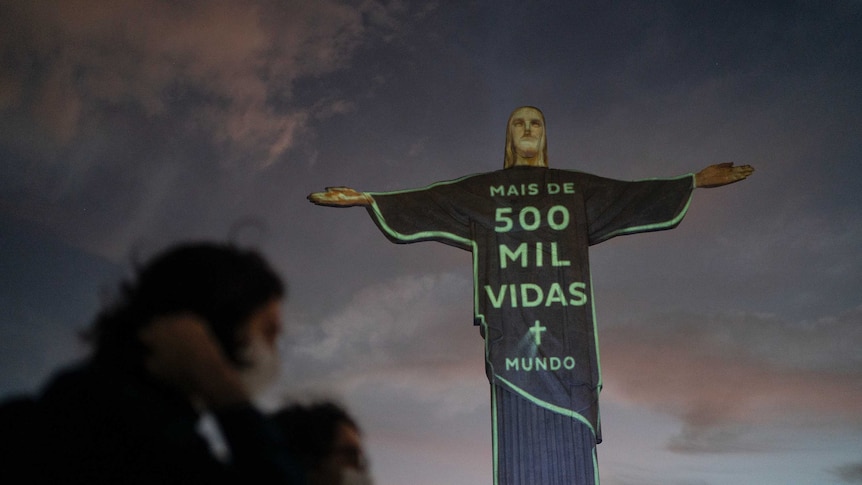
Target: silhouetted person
<point>194,331</point>
<point>327,441</point>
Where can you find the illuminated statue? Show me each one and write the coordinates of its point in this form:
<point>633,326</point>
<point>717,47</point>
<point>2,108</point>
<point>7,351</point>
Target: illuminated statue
<point>529,228</point>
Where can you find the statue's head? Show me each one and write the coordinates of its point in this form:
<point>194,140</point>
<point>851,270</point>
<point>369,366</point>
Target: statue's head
<point>525,138</point>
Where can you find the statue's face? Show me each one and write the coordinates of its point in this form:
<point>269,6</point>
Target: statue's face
<point>527,131</point>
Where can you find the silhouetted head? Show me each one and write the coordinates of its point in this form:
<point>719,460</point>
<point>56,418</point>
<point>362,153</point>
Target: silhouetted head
<point>326,440</point>
<point>221,283</point>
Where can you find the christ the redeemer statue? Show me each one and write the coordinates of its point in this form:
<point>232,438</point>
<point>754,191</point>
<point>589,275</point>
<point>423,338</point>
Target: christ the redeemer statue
<point>529,228</point>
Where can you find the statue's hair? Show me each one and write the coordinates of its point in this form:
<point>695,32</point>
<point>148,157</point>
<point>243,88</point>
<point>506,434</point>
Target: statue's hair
<point>510,156</point>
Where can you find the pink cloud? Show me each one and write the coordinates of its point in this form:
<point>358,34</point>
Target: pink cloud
<point>237,55</point>
<point>721,371</point>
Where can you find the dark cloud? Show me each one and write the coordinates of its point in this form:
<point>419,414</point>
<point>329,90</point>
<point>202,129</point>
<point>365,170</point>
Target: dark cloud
<point>851,473</point>
<point>220,64</point>
<point>115,114</point>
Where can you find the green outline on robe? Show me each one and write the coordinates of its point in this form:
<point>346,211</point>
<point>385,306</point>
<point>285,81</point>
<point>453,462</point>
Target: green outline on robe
<point>658,225</point>
<point>422,235</point>
<point>600,383</point>
<point>495,446</point>
<point>419,236</point>
<point>431,235</point>
<point>550,407</point>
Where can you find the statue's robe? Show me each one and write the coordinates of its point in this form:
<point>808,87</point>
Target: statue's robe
<point>529,229</point>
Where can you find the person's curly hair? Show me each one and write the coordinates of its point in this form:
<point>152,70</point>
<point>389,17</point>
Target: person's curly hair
<point>310,430</point>
<point>218,282</point>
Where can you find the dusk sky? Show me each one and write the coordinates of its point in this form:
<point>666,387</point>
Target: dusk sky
<point>731,346</point>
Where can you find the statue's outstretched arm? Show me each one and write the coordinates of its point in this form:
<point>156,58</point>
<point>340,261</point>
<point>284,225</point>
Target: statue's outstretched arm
<point>340,197</point>
<point>722,174</point>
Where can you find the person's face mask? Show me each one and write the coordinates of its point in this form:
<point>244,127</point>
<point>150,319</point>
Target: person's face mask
<point>263,365</point>
<point>352,476</point>
<point>260,352</point>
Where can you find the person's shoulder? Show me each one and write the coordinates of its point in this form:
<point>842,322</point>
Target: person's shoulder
<point>71,381</point>
<point>86,390</point>
<point>25,440</point>
<point>64,388</point>
<point>17,409</point>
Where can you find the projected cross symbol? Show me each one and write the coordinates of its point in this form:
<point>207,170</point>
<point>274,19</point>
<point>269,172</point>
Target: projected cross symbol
<point>537,330</point>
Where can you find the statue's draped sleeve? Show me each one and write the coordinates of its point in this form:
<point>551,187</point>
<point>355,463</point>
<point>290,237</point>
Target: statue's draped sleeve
<point>615,208</point>
<point>439,212</point>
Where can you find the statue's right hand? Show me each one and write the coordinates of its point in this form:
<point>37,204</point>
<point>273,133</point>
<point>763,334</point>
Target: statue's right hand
<point>340,197</point>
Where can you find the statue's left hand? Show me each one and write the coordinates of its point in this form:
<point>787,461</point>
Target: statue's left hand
<point>722,174</point>
<point>340,197</point>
